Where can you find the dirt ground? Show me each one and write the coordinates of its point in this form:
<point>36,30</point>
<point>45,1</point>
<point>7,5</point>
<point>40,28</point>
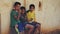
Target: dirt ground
<point>57,31</point>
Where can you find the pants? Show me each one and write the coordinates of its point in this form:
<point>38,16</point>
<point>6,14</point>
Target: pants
<point>13,31</point>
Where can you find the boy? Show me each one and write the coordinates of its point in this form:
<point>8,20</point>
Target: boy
<point>32,19</point>
<point>22,21</point>
<point>14,17</point>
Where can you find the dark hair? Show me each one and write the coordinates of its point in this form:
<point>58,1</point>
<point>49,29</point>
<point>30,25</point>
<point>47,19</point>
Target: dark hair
<point>17,3</point>
<point>23,8</point>
<point>32,5</point>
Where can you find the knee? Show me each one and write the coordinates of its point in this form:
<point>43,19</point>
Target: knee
<point>31,27</point>
<point>38,25</point>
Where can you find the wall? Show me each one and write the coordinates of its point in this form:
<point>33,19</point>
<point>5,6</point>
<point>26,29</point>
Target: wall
<point>0,23</point>
<point>51,17</point>
<point>5,11</point>
<point>48,16</point>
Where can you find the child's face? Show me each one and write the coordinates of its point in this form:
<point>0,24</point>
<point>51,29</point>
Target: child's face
<point>32,9</point>
<point>17,7</point>
<point>23,11</point>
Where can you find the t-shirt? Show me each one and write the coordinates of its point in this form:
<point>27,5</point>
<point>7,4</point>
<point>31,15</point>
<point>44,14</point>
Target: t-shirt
<point>13,20</point>
<point>31,16</point>
<point>23,18</point>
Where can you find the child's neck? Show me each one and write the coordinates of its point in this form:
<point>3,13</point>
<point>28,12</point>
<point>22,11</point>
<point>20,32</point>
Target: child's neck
<point>32,11</point>
<point>22,13</point>
<point>16,10</point>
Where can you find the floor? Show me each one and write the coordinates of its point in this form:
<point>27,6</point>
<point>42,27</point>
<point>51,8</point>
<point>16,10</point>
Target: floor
<point>57,31</point>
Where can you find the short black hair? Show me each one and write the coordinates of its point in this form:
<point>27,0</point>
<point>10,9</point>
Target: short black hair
<point>32,5</point>
<point>17,3</point>
<point>23,8</point>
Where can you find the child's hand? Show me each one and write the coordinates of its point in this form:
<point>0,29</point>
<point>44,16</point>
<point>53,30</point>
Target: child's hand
<point>16,26</point>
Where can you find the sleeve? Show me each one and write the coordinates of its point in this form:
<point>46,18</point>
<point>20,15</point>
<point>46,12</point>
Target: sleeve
<point>13,13</point>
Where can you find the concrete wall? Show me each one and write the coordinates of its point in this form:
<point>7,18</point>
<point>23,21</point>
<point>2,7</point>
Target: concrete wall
<point>51,17</point>
<point>0,23</point>
<point>48,16</point>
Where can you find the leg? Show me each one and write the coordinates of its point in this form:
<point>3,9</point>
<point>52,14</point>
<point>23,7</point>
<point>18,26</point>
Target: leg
<point>16,28</point>
<point>38,28</point>
<point>21,32</point>
<point>30,28</point>
<point>35,31</point>
<point>26,31</point>
<point>13,31</point>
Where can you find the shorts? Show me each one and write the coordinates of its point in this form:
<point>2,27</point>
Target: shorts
<point>34,24</point>
<point>20,27</point>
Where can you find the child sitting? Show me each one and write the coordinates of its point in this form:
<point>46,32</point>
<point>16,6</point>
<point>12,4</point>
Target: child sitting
<point>32,19</point>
